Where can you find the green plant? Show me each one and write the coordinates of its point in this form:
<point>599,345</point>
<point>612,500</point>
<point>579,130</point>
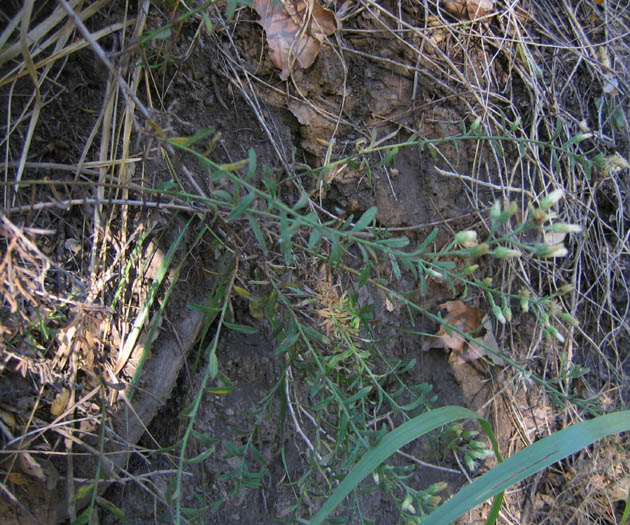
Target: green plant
<point>523,464</point>
<point>85,313</point>
<point>325,338</point>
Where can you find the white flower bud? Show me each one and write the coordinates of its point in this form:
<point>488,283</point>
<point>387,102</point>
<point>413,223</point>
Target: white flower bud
<point>551,250</point>
<point>467,238</point>
<point>551,199</point>
<point>562,227</point>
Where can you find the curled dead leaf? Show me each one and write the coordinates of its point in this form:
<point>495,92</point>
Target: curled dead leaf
<point>295,31</point>
<point>389,306</point>
<point>17,478</point>
<point>472,8</point>
<point>60,402</point>
<point>477,347</point>
<point>461,316</point>
<point>469,320</point>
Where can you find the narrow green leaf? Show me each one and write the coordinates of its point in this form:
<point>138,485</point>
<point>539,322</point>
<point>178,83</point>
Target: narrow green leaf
<point>359,395</point>
<point>388,160</point>
<point>205,439</point>
<point>414,404</point>
<point>366,219</point>
<point>556,161</point>
<point>395,242</point>
<point>203,308</point>
<point>112,509</point>
<point>84,491</point>
<point>498,147</point>
<point>364,276</point>
<point>213,365</point>
<point>286,232</point>
<point>141,320</point>
<point>335,252</point>
<point>258,457</point>
<point>170,448</point>
<point>558,130</point>
<point>257,233</point>
<point>160,34</point>
<point>432,150</point>
<point>314,238</point>
<point>245,329</point>
<point>316,335</point>
<point>200,457</point>
<point>387,446</point>
<point>302,201</point>
<point>220,390</point>
<point>207,22</point>
<point>619,118</point>
<point>288,342</point>
<point>528,461</point>
<point>395,267</point>
<point>233,452</point>
<point>626,512</point>
<point>408,367</point>
<point>199,136</point>
<point>241,207</point>
<point>251,170</point>
<point>427,240</point>
<point>230,8</point>
<point>187,411</point>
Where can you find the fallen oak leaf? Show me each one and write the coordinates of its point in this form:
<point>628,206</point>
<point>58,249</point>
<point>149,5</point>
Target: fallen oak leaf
<point>295,31</point>
<point>465,318</point>
<point>473,8</point>
<point>469,320</point>
<point>477,347</point>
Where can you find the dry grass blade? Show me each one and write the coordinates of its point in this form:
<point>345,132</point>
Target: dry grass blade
<point>35,34</point>
<point>127,92</point>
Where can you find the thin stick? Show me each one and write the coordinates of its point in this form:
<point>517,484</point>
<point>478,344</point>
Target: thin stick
<point>127,91</point>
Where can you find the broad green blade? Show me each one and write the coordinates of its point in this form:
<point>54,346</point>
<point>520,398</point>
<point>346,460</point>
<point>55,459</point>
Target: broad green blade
<point>390,443</point>
<point>528,461</point>
<point>513,470</point>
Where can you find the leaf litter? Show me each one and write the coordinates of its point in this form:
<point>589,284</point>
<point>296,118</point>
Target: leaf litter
<point>472,8</point>
<point>295,31</point>
<point>471,321</point>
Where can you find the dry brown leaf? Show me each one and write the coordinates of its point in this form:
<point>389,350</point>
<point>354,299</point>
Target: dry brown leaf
<point>467,319</point>
<point>471,8</point>
<point>30,467</point>
<point>389,306</point>
<point>18,478</point>
<point>315,129</point>
<point>294,36</point>
<point>60,402</point>
<point>464,318</point>
<point>477,351</point>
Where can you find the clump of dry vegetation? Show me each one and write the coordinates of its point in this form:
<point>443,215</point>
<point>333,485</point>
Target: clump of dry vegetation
<point>181,182</point>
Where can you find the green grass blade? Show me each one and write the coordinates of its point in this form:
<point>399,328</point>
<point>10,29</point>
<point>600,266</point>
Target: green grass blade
<point>626,511</point>
<point>390,443</point>
<point>141,319</point>
<point>523,464</point>
<point>528,461</point>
